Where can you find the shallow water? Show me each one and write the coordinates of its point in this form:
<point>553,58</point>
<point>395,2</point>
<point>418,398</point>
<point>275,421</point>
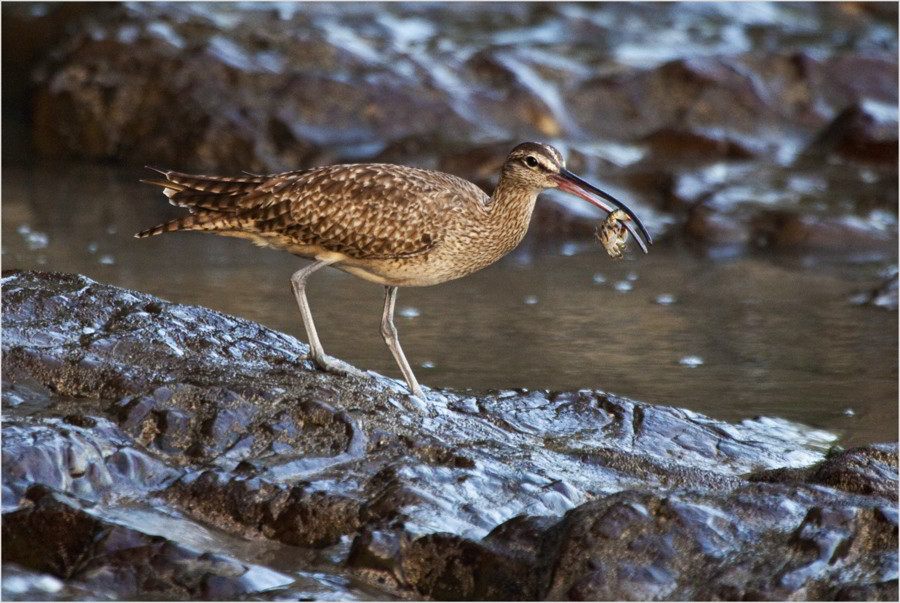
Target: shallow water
<point>730,337</point>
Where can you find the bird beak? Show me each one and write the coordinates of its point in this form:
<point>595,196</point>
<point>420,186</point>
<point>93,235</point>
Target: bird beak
<point>570,183</point>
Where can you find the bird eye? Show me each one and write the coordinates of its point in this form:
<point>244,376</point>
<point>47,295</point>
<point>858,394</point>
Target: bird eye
<point>531,161</point>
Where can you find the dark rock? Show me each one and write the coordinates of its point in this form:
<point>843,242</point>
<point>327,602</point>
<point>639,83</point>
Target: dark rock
<point>481,164</point>
<point>30,33</point>
<point>173,427</point>
<point>518,495</point>
<point>80,420</point>
<point>449,568</point>
<point>176,87</point>
<point>854,77</point>
<point>881,591</point>
<point>132,411</point>
<point>709,227</point>
<point>254,507</point>
<point>674,146</point>
<point>864,132</point>
<point>516,98</point>
<point>254,88</point>
<point>521,537</point>
<point>91,462</point>
<point>690,547</point>
<point>743,209</point>
<point>22,584</point>
<point>267,90</point>
<point>315,519</point>
<point>56,537</point>
<point>388,502</point>
<point>699,92</point>
<point>869,470</point>
<point>792,230</point>
<point>739,94</point>
<point>378,550</point>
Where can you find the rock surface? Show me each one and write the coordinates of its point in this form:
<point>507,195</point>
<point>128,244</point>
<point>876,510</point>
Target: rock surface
<point>263,88</point>
<point>158,450</point>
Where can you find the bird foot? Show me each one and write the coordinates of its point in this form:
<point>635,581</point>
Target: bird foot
<point>335,366</point>
<point>418,403</point>
<point>418,393</point>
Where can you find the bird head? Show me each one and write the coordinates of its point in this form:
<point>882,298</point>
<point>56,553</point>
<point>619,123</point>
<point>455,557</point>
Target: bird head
<point>539,166</point>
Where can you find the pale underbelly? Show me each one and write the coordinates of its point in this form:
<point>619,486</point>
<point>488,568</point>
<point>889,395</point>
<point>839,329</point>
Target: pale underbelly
<point>416,271</point>
<point>438,265</point>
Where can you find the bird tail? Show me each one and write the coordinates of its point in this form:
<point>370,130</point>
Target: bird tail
<point>217,193</point>
<point>212,200</point>
<point>202,220</point>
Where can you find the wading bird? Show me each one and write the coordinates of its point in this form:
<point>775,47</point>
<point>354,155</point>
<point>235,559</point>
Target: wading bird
<point>390,224</point>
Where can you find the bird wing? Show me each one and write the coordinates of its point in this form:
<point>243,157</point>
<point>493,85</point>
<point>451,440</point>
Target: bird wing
<point>360,210</point>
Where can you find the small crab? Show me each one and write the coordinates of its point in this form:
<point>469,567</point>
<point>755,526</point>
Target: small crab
<point>613,234</point>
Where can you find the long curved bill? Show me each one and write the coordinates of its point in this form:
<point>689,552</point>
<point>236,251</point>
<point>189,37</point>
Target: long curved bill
<point>570,183</point>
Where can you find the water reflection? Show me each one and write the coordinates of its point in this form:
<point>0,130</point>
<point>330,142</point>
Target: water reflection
<point>773,336</point>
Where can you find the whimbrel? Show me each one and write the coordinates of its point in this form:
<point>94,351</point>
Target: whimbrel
<point>390,224</point>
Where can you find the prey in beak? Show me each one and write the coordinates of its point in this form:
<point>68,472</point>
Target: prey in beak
<point>570,183</point>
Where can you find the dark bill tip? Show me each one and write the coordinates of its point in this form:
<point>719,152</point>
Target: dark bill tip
<point>571,183</point>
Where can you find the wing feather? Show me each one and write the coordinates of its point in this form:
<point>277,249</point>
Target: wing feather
<point>360,210</point>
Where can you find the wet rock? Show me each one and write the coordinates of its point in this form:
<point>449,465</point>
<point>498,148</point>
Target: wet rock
<point>743,207</point>
<point>671,145</point>
<point>709,227</point>
<point>689,546</point>
<point>19,583</point>
<point>270,88</point>
<point>378,552</point>
<point>150,447</point>
<point>37,30</point>
<point>517,99</point>
<point>146,85</point>
<point>869,470</point>
<point>315,519</point>
<point>881,591</point>
<point>520,537</point>
<point>853,78</point>
<point>481,163</point>
<point>56,537</point>
<point>863,132</point>
<point>92,462</point>
<point>448,568</point>
<point>686,545</point>
<point>792,230</point>
<point>256,504</point>
<point>699,92</point>
<point>740,94</point>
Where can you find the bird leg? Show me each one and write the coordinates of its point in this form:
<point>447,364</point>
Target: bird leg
<point>389,332</point>
<point>316,353</point>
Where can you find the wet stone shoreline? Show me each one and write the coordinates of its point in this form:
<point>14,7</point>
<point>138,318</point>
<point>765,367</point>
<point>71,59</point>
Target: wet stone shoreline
<point>767,126</point>
<point>156,450</point>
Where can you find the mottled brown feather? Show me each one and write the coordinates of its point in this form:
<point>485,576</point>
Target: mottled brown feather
<point>365,211</point>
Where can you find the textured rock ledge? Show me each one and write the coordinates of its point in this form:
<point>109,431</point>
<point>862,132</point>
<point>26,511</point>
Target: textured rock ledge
<point>157,450</point>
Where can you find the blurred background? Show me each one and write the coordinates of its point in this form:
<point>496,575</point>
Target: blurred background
<point>758,141</point>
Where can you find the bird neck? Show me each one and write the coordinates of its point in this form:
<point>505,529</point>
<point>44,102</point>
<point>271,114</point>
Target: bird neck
<point>513,202</point>
<point>509,213</point>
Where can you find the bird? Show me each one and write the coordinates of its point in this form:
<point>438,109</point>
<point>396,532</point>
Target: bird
<point>394,225</point>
